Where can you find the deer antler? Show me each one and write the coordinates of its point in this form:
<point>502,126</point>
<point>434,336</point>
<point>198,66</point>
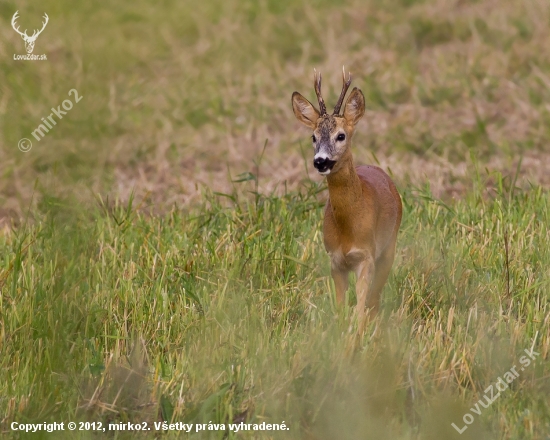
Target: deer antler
<point>345,87</point>
<point>16,29</point>
<point>317,85</point>
<point>36,33</point>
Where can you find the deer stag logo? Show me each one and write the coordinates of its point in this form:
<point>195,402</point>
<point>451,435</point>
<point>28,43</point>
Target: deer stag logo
<point>29,41</point>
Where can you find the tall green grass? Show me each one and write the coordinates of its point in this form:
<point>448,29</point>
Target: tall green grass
<point>225,314</point>
<point>216,306</point>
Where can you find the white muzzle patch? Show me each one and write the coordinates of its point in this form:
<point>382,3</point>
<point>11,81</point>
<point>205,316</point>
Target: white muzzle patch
<point>321,156</point>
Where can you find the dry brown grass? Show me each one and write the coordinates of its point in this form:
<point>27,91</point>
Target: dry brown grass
<point>177,98</point>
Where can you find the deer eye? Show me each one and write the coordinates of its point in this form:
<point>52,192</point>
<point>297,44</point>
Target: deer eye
<point>313,138</point>
<point>341,137</point>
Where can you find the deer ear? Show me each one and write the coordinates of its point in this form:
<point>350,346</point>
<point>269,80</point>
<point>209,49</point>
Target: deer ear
<point>355,107</point>
<point>304,110</point>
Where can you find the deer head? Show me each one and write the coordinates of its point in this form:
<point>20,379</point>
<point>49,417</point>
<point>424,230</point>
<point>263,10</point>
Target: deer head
<point>29,41</point>
<point>331,133</point>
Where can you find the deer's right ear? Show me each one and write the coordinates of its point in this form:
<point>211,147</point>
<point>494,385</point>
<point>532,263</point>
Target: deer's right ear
<point>304,110</point>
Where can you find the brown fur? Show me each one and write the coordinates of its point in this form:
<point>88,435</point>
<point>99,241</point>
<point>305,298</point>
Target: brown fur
<point>363,212</point>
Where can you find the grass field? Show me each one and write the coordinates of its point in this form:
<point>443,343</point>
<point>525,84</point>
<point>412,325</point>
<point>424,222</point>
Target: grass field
<point>161,252</point>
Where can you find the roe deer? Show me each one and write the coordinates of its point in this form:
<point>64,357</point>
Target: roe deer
<point>363,212</point>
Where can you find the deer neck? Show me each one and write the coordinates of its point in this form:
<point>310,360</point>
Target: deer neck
<point>345,191</point>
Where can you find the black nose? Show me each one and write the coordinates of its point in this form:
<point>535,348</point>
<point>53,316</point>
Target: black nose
<point>322,164</point>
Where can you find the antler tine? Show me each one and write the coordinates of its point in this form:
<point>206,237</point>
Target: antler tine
<point>44,23</point>
<point>317,85</point>
<point>13,23</point>
<point>345,87</point>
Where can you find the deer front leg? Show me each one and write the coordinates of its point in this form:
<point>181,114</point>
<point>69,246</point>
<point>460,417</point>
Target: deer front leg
<point>340,278</point>
<point>365,297</point>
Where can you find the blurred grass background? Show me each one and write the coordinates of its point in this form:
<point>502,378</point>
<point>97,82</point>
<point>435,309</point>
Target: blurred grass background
<point>216,307</point>
<point>177,93</point>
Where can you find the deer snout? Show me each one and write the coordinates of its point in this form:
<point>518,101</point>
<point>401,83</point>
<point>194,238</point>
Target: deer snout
<point>323,164</point>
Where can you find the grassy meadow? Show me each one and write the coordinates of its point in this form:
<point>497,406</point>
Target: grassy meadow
<point>161,253</point>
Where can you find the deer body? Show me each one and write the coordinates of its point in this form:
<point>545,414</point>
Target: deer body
<point>363,212</point>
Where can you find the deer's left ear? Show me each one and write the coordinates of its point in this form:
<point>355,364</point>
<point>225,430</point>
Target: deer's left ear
<point>355,107</point>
